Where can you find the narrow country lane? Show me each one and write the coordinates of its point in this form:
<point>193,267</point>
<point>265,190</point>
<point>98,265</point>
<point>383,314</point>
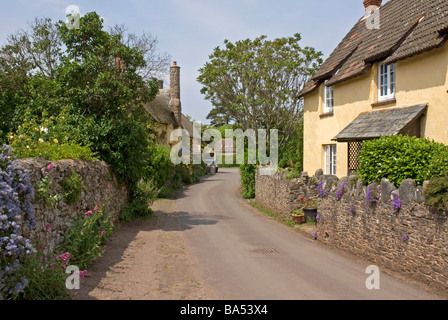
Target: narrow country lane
<point>210,243</point>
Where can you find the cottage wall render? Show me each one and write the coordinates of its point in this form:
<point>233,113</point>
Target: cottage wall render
<point>420,79</point>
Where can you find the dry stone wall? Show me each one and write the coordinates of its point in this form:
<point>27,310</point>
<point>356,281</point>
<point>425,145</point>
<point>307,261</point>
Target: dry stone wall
<point>53,223</point>
<point>412,240</point>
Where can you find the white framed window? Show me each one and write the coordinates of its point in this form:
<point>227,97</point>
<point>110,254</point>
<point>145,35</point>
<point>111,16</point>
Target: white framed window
<point>386,81</point>
<point>330,159</point>
<point>328,99</point>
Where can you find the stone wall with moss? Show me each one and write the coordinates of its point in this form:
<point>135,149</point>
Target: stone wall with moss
<point>98,183</point>
<point>404,235</point>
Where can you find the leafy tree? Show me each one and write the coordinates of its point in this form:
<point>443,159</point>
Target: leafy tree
<point>254,83</point>
<point>88,73</point>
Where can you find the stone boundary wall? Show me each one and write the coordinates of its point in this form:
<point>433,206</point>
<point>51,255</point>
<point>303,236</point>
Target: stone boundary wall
<point>412,240</point>
<point>100,183</point>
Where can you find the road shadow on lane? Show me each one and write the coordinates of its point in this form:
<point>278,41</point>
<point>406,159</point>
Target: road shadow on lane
<point>127,238</point>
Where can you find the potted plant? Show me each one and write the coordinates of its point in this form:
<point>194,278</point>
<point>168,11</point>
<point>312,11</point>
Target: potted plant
<point>309,208</point>
<point>298,217</point>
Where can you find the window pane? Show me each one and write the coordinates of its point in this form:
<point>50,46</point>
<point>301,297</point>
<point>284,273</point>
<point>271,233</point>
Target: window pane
<point>333,160</point>
<point>327,160</point>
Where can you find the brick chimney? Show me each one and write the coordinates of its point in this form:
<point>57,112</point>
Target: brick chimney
<point>175,104</point>
<point>370,3</point>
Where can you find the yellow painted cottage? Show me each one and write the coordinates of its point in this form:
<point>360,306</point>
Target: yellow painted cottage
<point>384,80</point>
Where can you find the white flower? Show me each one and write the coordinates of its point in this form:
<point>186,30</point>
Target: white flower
<point>43,129</point>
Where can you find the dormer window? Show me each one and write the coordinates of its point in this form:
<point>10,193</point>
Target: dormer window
<point>328,99</point>
<point>386,81</point>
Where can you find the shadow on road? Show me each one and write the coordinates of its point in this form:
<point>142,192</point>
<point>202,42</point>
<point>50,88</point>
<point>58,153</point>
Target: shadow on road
<point>138,237</point>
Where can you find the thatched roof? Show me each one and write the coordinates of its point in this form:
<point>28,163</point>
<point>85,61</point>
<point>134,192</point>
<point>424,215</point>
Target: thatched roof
<point>160,110</point>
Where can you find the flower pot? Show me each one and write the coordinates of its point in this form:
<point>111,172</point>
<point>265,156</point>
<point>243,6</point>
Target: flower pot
<point>310,214</point>
<point>299,219</point>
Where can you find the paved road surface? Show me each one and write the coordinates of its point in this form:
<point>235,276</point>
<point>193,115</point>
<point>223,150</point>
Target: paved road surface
<point>243,254</point>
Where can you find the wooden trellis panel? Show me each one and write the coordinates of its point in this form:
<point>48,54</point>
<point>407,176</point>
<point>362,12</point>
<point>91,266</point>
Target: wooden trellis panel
<point>354,148</point>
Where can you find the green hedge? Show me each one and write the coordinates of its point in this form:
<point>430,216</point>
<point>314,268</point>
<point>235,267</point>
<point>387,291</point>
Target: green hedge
<point>401,157</point>
<point>248,172</point>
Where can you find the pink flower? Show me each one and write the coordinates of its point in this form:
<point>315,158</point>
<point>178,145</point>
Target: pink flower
<point>108,186</point>
<point>50,167</point>
<point>96,208</point>
<point>89,213</point>
<point>103,233</point>
<point>83,274</point>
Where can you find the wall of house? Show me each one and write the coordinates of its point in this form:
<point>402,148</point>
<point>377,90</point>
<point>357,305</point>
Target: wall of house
<point>412,241</point>
<point>163,132</point>
<point>420,79</point>
<point>100,185</point>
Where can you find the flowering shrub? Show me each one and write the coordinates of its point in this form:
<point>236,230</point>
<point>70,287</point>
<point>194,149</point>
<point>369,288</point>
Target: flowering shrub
<point>308,204</point>
<point>16,214</point>
<point>51,138</point>
<point>88,232</point>
<point>373,193</point>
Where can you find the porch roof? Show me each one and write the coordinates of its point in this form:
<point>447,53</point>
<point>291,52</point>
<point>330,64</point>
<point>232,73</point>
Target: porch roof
<point>375,124</point>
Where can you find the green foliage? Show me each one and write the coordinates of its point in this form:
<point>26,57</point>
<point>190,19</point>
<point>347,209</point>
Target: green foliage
<point>292,154</point>
<point>293,173</point>
<point>88,233</point>
<point>43,189</point>
<point>46,280</point>
<point>48,137</point>
<point>401,157</point>
<point>254,83</point>
<point>73,188</point>
<point>79,97</point>
<point>145,194</point>
<point>159,166</point>
<point>436,193</point>
<point>248,172</point>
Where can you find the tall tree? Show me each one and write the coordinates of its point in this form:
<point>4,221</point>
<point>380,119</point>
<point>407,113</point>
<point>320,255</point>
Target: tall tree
<point>156,64</point>
<point>255,83</point>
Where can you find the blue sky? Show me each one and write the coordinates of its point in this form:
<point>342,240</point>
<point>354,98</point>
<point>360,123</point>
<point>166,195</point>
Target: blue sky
<point>189,30</point>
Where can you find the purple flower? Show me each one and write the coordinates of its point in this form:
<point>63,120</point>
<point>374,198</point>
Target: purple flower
<point>321,189</point>
<point>16,212</point>
<point>373,192</point>
<point>404,238</point>
<point>396,202</point>
<point>315,235</point>
<point>340,192</point>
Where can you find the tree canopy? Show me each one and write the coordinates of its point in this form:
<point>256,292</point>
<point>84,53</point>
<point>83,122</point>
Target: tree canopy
<point>255,83</point>
<point>93,78</point>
